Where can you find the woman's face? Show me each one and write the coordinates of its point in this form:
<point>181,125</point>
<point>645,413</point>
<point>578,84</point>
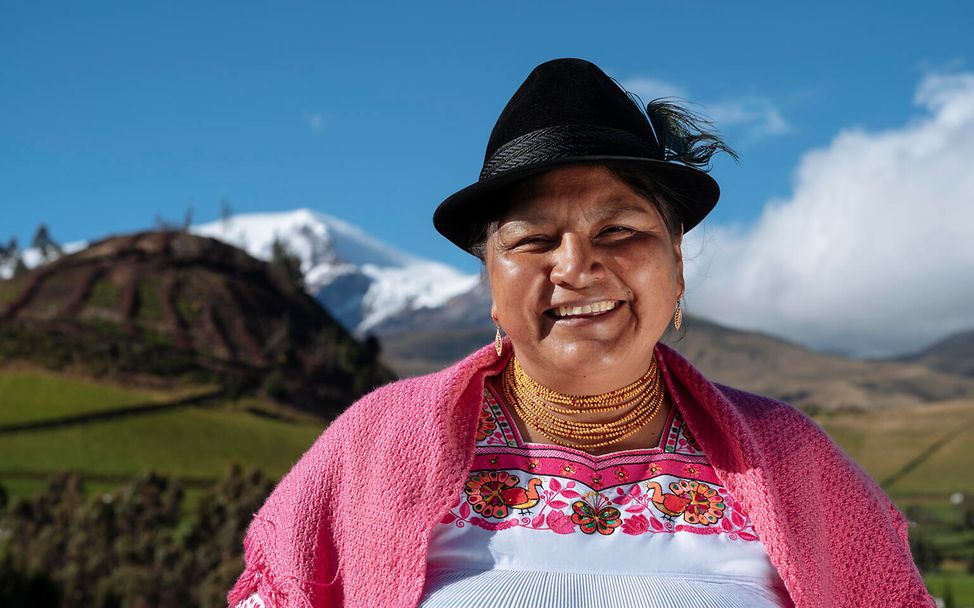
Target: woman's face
<point>585,278</point>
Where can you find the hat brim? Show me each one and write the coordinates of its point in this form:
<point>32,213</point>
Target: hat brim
<point>462,216</point>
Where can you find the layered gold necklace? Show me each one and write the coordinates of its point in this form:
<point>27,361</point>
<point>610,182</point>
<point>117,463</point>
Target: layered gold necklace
<point>538,407</point>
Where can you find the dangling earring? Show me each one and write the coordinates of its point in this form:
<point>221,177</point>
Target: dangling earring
<point>678,316</point>
<point>498,342</point>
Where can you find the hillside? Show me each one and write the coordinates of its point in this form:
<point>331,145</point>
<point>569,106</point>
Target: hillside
<point>156,306</point>
<point>954,354</point>
<point>747,360</point>
<point>771,366</point>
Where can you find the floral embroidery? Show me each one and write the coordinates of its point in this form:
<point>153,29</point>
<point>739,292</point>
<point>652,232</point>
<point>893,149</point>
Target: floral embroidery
<point>485,492</point>
<point>705,505</point>
<point>560,523</point>
<point>668,492</point>
<point>486,425</point>
<point>636,525</point>
<point>595,514</point>
<point>493,493</point>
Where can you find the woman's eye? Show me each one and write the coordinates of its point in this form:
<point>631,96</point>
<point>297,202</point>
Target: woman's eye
<point>616,231</point>
<point>533,240</point>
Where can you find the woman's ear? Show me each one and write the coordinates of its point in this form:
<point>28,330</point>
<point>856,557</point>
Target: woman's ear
<point>678,256</point>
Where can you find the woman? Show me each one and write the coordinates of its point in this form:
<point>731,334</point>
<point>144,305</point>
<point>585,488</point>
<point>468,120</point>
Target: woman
<point>578,462</point>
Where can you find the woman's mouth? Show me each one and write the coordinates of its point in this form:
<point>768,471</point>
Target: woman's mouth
<point>583,311</point>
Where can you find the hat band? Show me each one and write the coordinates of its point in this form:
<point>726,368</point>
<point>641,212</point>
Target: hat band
<point>566,141</point>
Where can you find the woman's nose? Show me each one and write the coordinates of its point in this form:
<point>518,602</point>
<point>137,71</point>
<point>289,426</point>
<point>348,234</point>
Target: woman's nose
<point>574,262</point>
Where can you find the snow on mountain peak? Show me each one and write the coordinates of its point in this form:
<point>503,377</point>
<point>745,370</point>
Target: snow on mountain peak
<point>310,235</point>
<point>360,279</point>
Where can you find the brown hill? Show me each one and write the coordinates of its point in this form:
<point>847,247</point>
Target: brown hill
<point>160,305</point>
<point>747,360</point>
<point>811,380</point>
<point>953,354</point>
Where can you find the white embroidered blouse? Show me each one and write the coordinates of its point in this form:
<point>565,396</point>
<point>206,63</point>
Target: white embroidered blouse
<point>544,526</point>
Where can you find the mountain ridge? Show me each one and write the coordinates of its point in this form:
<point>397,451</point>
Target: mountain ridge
<point>174,304</point>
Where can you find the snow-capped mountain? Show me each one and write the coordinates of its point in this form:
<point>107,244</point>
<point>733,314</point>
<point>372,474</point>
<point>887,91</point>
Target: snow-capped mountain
<point>360,280</point>
<point>367,285</point>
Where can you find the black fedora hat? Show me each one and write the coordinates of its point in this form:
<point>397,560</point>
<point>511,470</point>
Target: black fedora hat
<point>568,111</point>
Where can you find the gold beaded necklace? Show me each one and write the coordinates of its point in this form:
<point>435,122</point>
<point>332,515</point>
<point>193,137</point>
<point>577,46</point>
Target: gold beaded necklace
<point>534,404</point>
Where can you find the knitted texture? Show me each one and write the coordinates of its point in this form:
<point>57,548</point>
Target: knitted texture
<point>321,540</point>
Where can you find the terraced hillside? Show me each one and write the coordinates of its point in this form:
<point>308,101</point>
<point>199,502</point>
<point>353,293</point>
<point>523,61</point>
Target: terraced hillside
<point>162,306</point>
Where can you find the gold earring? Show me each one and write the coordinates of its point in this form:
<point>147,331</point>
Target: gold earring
<point>498,342</point>
<point>678,317</point>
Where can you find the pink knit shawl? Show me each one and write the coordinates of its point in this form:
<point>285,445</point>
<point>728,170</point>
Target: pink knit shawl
<point>349,524</point>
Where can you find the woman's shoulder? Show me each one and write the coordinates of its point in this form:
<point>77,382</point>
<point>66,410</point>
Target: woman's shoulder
<point>757,408</point>
<point>782,429</point>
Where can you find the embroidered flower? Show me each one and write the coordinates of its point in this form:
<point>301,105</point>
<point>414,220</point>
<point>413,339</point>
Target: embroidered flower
<point>567,469</point>
<point>596,481</point>
<point>690,469</point>
<point>485,492</point>
<point>654,469</point>
<point>486,424</point>
<point>595,514</point>
<point>635,525</point>
<point>620,473</point>
<point>559,522</point>
<point>493,460</point>
<point>533,463</point>
<point>706,506</point>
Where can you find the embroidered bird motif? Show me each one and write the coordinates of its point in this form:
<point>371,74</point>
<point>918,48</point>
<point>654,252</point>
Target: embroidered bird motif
<point>670,505</point>
<point>520,498</point>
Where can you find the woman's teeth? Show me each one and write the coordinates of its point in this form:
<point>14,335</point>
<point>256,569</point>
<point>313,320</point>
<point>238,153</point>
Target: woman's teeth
<point>572,311</point>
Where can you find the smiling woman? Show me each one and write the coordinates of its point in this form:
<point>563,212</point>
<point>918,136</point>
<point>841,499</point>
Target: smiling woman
<point>575,238</point>
<point>578,462</point>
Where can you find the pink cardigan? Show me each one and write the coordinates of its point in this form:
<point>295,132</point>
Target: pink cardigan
<point>322,539</point>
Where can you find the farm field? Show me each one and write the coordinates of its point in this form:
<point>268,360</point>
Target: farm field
<point>196,443</point>
<point>919,454</point>
<point>30,395</point>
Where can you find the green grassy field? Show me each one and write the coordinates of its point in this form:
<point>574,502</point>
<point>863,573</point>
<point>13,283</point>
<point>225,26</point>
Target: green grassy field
<point>962,586</point>
<point>885,442</point>
<point>194,443</point>
<point>30,395</point>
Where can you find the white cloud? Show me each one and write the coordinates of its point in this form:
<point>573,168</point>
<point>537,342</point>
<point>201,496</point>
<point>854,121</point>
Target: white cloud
<point>652,88</point>
<point>756,116</point>
<point>872,253</point>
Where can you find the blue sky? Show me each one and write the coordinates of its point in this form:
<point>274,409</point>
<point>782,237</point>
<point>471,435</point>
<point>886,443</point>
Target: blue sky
<point>112,115</point>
